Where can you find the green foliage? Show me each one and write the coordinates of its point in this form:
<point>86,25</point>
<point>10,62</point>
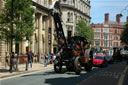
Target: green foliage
<point>83,30</point>
<point>23,20</point>
<point>124,35</point>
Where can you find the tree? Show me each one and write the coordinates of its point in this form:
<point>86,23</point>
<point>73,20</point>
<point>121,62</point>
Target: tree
<point>23,25</point>
<point>83,30</point>
<point>23,20</point>
<point>124,35</point>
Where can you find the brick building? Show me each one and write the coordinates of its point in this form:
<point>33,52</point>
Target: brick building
<point>107,35</point>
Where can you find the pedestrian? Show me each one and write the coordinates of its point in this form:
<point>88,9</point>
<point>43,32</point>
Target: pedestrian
<point>45,60</point>
<point>49,58</point>
<point>12,67</point>
<point>6,58</point>
<point>29,61</point>
<point>54,57</point>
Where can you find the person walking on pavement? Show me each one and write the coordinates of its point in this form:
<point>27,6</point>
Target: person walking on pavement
<point>12,63</point>
<point>29,61</point>
<point>45,60</point>
<point>6,59</point>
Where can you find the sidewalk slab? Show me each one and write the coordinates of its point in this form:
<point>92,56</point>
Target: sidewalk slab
<point>35,67</point>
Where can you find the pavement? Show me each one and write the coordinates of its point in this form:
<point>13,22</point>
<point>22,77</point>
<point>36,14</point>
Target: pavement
<point>36,67</point>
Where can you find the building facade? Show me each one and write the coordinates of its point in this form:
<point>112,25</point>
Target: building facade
<point>107,35</point>
<point>72,11</point>
<point>44,38</point>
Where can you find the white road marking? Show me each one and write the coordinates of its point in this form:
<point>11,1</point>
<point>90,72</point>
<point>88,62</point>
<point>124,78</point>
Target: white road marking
<point>120,82</point>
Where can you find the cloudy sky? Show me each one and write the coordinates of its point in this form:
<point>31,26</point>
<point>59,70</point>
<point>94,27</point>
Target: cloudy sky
<point>113,7</point>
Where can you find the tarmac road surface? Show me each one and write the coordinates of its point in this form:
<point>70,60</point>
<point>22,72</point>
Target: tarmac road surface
<point>114,74</point>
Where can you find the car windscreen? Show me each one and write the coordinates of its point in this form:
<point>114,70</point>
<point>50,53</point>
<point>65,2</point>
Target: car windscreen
<point>108,57</point>
<point>99,57</point>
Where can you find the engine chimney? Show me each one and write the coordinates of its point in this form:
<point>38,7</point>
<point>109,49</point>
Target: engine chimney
<point>118,18</point>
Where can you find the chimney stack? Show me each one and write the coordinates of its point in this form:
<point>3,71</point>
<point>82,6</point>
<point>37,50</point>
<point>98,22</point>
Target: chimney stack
<point>106,18</point>
<point>118,18</point>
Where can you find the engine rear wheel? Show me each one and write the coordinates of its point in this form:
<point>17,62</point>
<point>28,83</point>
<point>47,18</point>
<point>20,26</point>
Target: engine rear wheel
<point>77,65</point>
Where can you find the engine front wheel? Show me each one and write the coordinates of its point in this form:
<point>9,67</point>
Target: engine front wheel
<point>69,68</point>
<point>57,66</point>
<point>88,67</point>
<point>77,65</point>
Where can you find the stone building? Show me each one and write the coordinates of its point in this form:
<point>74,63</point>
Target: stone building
<point>72,11</point>
<point>44,38</point>
<point>3,46</point>
<point>107,35</point>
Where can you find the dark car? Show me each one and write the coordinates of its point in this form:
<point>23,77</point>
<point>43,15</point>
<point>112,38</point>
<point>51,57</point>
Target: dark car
<point>109,59</point>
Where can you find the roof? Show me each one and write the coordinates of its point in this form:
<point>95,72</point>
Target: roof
<point>116,23</point>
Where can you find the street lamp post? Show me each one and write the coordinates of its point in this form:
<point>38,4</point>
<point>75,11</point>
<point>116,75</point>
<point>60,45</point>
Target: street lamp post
<point>12,54</point>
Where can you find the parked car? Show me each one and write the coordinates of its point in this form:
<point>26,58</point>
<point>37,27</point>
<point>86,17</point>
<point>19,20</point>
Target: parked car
<point>100,60</point>
<point>109,59</point>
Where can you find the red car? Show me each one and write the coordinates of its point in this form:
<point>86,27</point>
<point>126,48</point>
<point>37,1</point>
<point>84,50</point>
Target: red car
<point>100,60</point>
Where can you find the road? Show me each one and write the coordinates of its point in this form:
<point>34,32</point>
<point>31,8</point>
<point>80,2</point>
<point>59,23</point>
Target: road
<point>111,75</point>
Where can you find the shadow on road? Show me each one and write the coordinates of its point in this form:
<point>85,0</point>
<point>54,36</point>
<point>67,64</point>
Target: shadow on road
<point>70,80</point>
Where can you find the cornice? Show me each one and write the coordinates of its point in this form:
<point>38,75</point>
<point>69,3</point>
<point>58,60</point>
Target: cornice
<point>74,9</point>
<point>40,7</point>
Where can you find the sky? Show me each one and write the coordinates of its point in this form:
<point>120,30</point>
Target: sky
<point>113,7</point>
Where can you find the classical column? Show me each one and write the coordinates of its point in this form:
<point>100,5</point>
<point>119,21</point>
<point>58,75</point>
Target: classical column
<point>52,34</point>
<point>40,34</point>
<point>33,36</point>
<point>22,49</point>
<point>32,43</point>
<point>46,35</point>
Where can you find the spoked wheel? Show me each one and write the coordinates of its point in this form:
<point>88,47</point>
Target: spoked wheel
<point>77,65</point>
<point>69,67</point>
<point>57,66</point>
<point>88,67</point>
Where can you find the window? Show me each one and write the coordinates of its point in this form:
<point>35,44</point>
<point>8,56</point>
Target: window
<point>115,44</point>
<point>97,43</point>
<point>69,33</point>
<point>116,31</point>
<point>97,30</point>
<point>45,3</point>
<point>97,36</point>
<point>49,35</point>
<point>105,43</point>
<point>70,2</point>
<point>69,27</point>
<point>110,43</point>
<point>106,30</point>
<point>69,17</point>
<point>105,36</point>
<point>38,1</point>
<point>64,0</point>
<point>115,37</point>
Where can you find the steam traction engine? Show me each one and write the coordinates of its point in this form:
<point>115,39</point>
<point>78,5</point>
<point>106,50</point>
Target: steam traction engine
<point>73,52</point>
